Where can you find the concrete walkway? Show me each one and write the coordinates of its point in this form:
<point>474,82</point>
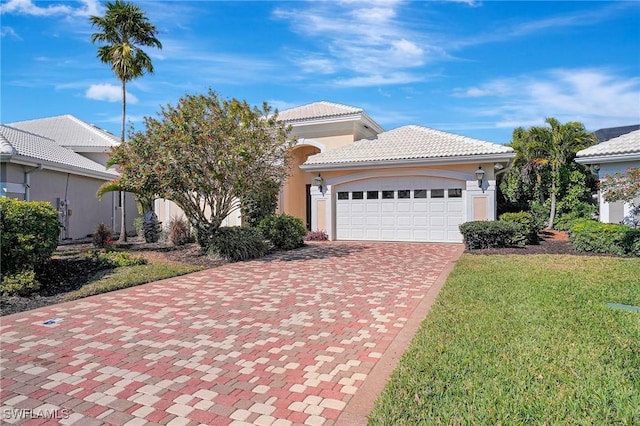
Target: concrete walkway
<point>305,337</point>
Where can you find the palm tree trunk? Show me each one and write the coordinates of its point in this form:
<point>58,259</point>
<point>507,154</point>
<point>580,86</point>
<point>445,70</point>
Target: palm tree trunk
<point>552,214</point>
<point>123,207</point>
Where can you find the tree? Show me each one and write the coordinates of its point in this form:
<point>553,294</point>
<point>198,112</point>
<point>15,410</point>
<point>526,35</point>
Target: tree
<point>556,147</point>
<point>624,187</point>
<point>206,155</point>
<point>123,29</point>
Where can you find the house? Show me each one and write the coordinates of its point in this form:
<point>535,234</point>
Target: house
<point>615,155</point>
<point>62,160</point>
<point>356,181</point>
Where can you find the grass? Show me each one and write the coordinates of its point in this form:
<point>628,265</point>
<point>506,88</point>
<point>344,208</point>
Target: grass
<point>129,276</point>
<point>523,340</point>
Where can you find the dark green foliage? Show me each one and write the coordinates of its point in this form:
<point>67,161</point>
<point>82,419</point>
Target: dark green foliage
<point>261,201</point>
<point>29,233</point>
<point>102,236</point>
<point>609,238</point>
<point>285,232</point>
<point>492,234</point>
<point>316,236</point>
<point>237,244</point>
<point>22,283</point>
<point>179,232</point>
<point>527,225</point>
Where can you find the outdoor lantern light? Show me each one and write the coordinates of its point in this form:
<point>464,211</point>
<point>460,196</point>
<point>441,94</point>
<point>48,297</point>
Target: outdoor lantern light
<point>479,176</point>
<point>319,182</point>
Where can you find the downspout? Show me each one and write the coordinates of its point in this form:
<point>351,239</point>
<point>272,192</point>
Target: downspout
<point>27,182</point>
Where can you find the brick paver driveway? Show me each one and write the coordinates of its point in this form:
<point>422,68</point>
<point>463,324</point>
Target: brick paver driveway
<point>305,337</point>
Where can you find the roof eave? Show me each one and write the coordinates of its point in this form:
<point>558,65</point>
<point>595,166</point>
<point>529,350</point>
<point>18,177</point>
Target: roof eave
<point>608,158</point>
<point>62,168</point>
<point>325,120</point>
<point>411,162</point>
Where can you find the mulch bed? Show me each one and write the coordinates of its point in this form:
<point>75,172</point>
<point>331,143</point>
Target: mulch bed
<point>551,242</point>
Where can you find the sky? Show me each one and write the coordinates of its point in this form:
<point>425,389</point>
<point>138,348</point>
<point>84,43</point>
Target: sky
<point>475,68</point>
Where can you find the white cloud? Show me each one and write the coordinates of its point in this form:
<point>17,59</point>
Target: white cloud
<point>595,97</point>
<point>9,32</point>
<point>27,7</point>
<point>109,93</point>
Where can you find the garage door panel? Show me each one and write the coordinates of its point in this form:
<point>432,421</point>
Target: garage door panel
<point>420,207</point>
<point>403,220</point>
<point>388,221</point>
<point>436,221</point>
<point>436,206</point>
<point>420,220</point>
<point>403,207</point>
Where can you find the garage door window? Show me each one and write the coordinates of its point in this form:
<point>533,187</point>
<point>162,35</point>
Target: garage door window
<point>437,193</point>
<point>343,195</point>
<point>388,195</point>
<point>357,195</point>
<point>455,193</point>
<point>420,193</point>
<point>404,193</point>
<point>372,195</point>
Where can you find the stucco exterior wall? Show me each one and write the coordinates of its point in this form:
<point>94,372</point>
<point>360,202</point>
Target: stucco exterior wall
<point>617,212</point>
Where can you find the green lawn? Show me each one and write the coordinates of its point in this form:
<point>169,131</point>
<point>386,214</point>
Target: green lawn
<point>523,340</point>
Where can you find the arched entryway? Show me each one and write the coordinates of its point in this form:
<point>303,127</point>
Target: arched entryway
<point>295,199</point>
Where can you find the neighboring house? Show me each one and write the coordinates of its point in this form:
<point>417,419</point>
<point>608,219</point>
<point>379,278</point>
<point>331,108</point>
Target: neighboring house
<point>612,156</point>
<point>62,160</point>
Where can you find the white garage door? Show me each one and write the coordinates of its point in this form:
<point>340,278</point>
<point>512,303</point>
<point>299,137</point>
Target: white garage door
<point>400,209</point>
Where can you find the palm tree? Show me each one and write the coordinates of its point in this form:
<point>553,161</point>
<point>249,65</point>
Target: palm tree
<point>557,146</point>
<point>123,29</point>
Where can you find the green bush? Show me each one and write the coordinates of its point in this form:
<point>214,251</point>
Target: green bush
<point>138,224</point>
<point>19,284</point>
<point>117,259</point>
<point>540,213</point>
<point>492,234</point>
<point>29,233</point>
<point>285,232</point>
<point>237,244</point>
<point>260,202</point>
<point>609,238</point>
<point>527,225</point>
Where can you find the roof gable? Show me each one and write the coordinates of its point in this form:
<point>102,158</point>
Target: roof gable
<point>409,143</point>
<point>317,110</point>
<point>69,131</point>
<point>17,142</point>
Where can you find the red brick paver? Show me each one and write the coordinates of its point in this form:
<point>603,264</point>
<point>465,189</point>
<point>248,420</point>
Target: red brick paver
<point>288,339</point>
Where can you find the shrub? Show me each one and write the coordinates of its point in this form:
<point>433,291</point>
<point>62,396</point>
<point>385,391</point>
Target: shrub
<point>19,284</point>
<point>540,213</point>
<point>316,236</point>
<point>609,238</point>
<point>492,234</point>
<point>138,224</point>
<point>29,233</point>
<point>102,236</point>
<point>527,225</point>
<point>117,259</point>
<point>260,202</point>
<point>285,232</point>
<point>237,244</point>
<point>179,232</point>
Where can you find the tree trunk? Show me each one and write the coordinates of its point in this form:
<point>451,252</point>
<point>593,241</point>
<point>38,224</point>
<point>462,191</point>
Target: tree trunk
<point>123,208</point>
<point>552,214</point>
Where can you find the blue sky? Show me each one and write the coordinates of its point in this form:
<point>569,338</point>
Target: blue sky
<point>476,68</point>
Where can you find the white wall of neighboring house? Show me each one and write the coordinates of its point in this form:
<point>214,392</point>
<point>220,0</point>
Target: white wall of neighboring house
<point>617,212</point>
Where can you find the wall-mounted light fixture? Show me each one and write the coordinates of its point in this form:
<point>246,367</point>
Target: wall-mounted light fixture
<point>319,182</point>
<point>479,176</point>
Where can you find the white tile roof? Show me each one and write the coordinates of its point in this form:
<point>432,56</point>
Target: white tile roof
<point>317,110</point>
<point>626,144</point>
<point>69,131</point>
<point>18,142</point>
<point>408,142</point>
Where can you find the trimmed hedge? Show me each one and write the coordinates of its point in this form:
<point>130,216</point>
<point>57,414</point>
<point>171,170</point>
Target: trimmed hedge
<point>527,224</point>
<point>285,232</point>
<point>610,238</point>
<point>492,234</point>
<point>29,233</point>
<point>237,244</point>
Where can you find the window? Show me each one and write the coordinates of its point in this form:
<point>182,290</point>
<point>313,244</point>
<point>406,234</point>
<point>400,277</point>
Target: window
<point>372,195</point>
<point>419,193</point>
<point>404,193</point>
<point>437,193</point>
<point>357,195</point>
<point>455,193</point>
<point>387,195</point>
<point>343,195</point>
